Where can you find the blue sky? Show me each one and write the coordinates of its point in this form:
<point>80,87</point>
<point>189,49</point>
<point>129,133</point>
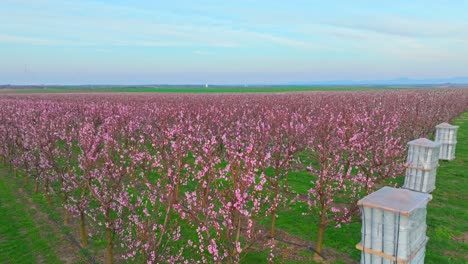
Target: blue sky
<point>229,42</point>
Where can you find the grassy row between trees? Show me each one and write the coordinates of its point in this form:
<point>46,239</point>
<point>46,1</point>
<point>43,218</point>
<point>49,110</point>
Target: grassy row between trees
<point>21,237</point>
<point>26,236</point>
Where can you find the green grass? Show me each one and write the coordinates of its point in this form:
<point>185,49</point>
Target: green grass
<point>20,237</point>
<point>448,211</point>
<point>182,89</point>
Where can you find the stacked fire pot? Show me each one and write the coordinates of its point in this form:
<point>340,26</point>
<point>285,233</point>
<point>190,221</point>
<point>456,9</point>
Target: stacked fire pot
<point>393,226</point>
<point>421,165</point>
<point>446,135</point>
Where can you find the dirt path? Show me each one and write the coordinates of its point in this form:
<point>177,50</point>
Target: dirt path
<point>293,248</point>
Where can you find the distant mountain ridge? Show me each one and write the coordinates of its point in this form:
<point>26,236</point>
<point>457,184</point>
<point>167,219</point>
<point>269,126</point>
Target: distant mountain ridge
<point>455,81</point>
<point>398,81</point>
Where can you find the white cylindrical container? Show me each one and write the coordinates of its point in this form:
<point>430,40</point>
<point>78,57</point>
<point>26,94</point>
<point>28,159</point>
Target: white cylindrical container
<point>446,135</point>
<point>403,237</point>
<point>419,256</point>
<point>377,230</point>
<point>394,225</point>
<point>421,165</point>
<point>366,230</point>
<point>366,258</point>
<point>389,236</point>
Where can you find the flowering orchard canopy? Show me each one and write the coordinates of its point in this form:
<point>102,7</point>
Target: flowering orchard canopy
<point>180,178</point>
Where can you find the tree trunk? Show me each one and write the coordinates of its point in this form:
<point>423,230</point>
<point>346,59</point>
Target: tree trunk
<point>110,253</point>
<point>321,231</point>
<point>47,193</point>
<point>273,213</point>
<point>65,212</point>
<point>273,223</point>
<point>48,199</point>
<point>84,236</point>
<point>36,186</point>
<point>65,216</point>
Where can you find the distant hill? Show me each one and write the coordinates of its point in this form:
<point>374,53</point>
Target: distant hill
<point>398,81</point>
<point>401,82</point>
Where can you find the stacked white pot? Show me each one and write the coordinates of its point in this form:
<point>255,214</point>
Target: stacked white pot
<point>393,226</point>
<point>446,135</point>
<point>421,165</point>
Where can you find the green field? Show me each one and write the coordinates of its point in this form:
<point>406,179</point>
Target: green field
<point>28,233</point>
<point>182,89</point>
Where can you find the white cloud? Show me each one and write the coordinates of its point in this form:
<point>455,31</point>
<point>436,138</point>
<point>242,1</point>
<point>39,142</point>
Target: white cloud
<point>26,40</point>
<point>150,28</point>
<point>203,52</point>
<point>401,26</point>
